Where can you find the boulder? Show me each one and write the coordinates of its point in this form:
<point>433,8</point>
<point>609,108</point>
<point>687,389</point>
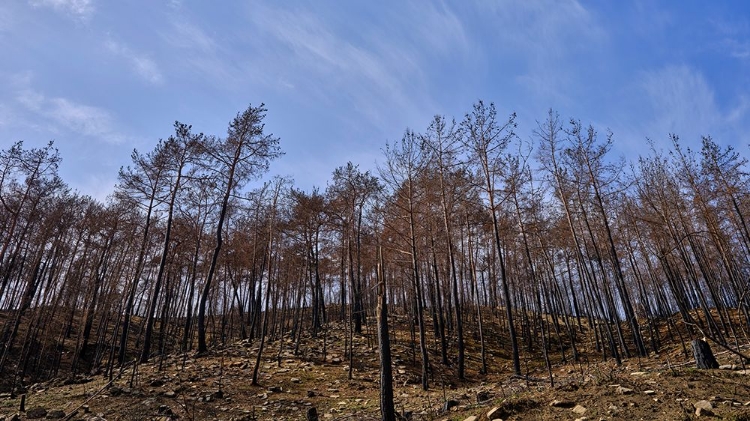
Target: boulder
<point>562,404</point>
<point>36,413</point>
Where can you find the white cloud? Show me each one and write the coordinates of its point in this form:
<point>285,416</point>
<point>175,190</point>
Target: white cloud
<point>5,19</point>
<point>6,115</point>
<point>377,74</point>
<point>737,48</point>
<point>84,119</point>
<point>79,9</point>
<point>551,27</point>
<point>143,66</point>
<point>35,110</point>
<point>439,28</point>
<point>733,37</point>
<point>95,185</point>
<point>186,35</point>
<point>546,40</point>
<point>682,102</point>
<point>202,56</point>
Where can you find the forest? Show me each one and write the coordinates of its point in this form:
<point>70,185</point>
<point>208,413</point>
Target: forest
<point>462,224</point>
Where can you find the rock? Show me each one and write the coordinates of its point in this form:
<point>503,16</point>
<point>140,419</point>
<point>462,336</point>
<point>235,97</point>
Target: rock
<point>483,396</point>
<point>450,403</point>
<point>702,412</point>
<point>649,392</point>
<point>562,404</point>
<point>55,414</point>
<point>471,418</point>
<point>36,412</point>
<point>492,412</point>
<point>704,404</point>
<point>638,373</point>
<point>165,410</point>
<point>623,390</point>
<point>275,389</point>
<point>579,409</point>
<point>170,394</point>
<point>703,408</point>
<point>296,380</point>
<point>727,367</point>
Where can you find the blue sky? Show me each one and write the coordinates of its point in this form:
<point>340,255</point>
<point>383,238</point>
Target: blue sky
<point>341,78</point>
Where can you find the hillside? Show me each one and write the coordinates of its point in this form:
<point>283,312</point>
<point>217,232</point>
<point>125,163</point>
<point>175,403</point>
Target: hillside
<point>217,386</point>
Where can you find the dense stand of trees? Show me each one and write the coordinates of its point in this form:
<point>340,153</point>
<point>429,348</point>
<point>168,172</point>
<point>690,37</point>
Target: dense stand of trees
<point>547,236</point>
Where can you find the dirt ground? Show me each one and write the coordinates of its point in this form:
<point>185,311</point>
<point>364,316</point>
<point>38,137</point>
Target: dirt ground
<point>218,386</point>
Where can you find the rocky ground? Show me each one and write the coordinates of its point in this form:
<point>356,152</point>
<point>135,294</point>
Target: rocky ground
<point>218,386</point>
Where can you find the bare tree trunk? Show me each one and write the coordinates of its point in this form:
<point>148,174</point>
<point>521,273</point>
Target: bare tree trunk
<point>384,347</point>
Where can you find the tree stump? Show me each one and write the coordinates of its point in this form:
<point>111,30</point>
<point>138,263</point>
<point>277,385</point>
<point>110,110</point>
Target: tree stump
<point>312,414</point>
<point>704,358</point>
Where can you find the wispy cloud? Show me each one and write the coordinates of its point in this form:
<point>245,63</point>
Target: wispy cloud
<point>440,29</point>
<point>202,57</point>
<point>733,37</point>
<point>738,48</point>
<point>683,102</point>
<point>186,35</point>
<point>54,114</point>
<point>141,64</point>
<point>83,119</point>
<point>5,19</point>
<point>95,185</point>
<point>551,26</point>
<point>6,115</point>
<point>544,39</point>
<point>376,74</point>
<point>78,9</point>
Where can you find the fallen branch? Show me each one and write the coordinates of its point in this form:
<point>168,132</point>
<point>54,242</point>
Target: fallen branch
<point>75,411</point>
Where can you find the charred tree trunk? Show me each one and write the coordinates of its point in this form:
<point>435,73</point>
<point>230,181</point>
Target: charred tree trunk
<point>704,358</point>
<point>384,348</point>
